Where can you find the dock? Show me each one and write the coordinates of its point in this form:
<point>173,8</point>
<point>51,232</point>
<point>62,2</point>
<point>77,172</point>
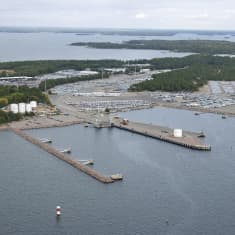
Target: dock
<point>190,140</point>
<point>76,164</point>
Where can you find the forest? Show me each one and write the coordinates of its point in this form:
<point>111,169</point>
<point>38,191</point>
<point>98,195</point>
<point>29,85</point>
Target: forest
<point>193,46</point>
<point>188,73</point>
<point>13,94</point>
<point>35,68</point>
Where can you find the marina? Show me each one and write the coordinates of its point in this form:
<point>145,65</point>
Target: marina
<point>168,189</point>
<point>156,174</point>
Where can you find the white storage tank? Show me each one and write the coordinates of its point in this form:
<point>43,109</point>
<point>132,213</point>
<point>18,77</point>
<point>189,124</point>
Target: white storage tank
<point>33,104</point>
<point>14,108</point>
<point>28,108</point>
<point>22,107</point>
<point>178,133</point>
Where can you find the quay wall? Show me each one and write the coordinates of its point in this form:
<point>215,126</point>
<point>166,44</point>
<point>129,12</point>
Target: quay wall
<point>155,134</point>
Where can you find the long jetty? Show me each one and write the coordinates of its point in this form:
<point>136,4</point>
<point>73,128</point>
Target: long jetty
<point>87,170</point>
<point>189,139</point>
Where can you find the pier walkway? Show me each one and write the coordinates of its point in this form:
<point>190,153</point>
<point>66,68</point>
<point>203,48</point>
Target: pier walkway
<point>188,140</point>
<point>87,170</point>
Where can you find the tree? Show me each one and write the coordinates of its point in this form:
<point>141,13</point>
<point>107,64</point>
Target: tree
<point>3,102</point>
<point>107,110</point>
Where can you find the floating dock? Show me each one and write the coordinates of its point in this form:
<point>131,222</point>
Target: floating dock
<point>87,170</point>
<point>189,139</point>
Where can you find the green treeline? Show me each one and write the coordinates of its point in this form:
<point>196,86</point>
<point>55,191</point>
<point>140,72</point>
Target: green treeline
<point>179,80</point>
<point>195,46</point>
<point>34,68</point>
<point>12,94</point>
<point>196,60</point>
<point>50,83</point>
<point>9,117</point>
<point>196,70</point>
<point>189,73</point>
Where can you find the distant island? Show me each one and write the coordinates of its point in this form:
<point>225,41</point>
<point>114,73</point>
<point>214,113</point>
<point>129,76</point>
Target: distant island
<point>115,31</point>
<point>194,46</point>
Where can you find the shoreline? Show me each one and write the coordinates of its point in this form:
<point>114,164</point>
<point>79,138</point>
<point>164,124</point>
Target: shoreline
<point>62,121</point>
<point>200,110</point>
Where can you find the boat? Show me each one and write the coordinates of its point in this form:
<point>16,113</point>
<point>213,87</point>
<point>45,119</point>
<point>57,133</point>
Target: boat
<point>116,177</point>
<point>87,162</point>
<point>224,117</point>
<point>201,134</point>
<point>196,114</point>
<point>44,140</point>
<point>68,150</point>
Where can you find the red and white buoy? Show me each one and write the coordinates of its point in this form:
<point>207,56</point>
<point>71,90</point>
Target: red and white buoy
<point>58,210</point>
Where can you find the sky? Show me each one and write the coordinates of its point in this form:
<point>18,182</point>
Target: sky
<point>149,14</point>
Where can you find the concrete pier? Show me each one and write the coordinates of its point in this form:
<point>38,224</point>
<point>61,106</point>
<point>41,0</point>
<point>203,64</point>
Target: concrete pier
<point>87,170</point>
<point>188,140</point>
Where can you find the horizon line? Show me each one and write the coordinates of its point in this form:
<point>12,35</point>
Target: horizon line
<point>114,28</point>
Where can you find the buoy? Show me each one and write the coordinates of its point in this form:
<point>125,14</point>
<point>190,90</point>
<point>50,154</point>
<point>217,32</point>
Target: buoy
<point>58,210</point>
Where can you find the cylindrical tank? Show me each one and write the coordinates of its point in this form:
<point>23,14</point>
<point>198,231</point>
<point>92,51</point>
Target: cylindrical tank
<point>178,133</point>
<point>33,104</point>
<point>22,107</point>
<point>14,108</point>
<point>28,108</point>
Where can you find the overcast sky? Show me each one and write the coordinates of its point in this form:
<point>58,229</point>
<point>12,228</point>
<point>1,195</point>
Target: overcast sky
<point>158,14</point>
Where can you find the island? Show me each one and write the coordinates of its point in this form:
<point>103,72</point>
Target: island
<point>194,46</point>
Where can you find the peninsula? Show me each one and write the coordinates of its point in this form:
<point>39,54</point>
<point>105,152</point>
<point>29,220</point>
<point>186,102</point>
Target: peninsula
<point>194,46</point>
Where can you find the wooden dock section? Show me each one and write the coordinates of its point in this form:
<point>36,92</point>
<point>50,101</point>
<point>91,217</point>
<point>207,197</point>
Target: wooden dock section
<point>190,140</point>
<point>87,170</point>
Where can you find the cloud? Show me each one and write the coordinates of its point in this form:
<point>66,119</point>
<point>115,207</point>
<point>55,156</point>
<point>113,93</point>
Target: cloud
<point>172,14</point>
<point>198,16</point>
<point>140,15</point>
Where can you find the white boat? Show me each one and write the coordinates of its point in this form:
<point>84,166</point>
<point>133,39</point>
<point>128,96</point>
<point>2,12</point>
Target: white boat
<point>68,150</point>
<point>87,162</point>
<point>117,177</point>
<point>44,140</point>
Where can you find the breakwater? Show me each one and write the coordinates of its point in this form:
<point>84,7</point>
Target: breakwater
<point>87,170</point>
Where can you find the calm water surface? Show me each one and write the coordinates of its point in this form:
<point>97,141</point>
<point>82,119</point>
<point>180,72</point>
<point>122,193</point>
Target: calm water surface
<point>167,189</point>
<point>52,46</point>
